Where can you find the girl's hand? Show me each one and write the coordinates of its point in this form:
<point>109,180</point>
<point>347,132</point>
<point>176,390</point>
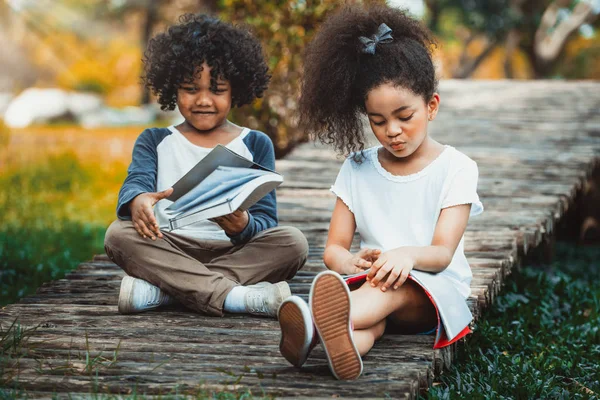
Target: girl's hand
<point>142,215</point>
<point>360,261</point>
<point>396,263</point>
<point>233,223</point>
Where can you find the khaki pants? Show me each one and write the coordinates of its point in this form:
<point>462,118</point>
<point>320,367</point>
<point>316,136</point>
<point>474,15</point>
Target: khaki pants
<point>200,273</point>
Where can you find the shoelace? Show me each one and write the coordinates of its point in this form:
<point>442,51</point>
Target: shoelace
<point>153,296</point>
<point>256,301</point>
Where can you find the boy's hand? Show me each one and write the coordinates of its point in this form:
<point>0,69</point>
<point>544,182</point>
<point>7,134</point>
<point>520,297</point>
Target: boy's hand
<point>395,263</point>
<point>233,223</point>
<point>360,261</point>
<point>142,215</point>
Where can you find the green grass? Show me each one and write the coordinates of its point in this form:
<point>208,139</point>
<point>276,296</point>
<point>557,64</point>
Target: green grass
<point>32,256</point>
<point>48,225</point>
<point>541,339</point>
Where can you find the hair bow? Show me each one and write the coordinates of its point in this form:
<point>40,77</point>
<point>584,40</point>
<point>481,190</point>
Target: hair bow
<point>383,35</point>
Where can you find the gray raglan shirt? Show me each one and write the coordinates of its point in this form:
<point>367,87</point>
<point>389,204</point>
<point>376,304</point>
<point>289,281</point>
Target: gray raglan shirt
<point>161,156</point>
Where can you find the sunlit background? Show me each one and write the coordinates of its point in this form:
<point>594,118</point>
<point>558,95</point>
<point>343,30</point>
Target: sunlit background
<point>71,103</point>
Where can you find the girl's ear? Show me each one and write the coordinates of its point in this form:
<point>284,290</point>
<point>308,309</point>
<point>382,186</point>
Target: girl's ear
<point>433,106</point>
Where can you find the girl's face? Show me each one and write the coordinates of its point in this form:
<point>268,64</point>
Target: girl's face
<point>201,107</point>
<point>399,118</point>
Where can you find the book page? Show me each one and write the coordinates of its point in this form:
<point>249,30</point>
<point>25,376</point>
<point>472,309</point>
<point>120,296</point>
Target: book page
<point>237,198</point>
<point>222,184</point>
<point>219,156</point>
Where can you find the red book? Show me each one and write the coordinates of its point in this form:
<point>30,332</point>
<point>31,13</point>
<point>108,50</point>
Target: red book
<point>356,278</point>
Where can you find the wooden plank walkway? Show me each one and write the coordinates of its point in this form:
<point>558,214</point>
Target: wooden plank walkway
<point>536,144</point>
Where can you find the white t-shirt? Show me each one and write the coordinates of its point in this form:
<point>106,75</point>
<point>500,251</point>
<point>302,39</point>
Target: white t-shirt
<point>402,210</point>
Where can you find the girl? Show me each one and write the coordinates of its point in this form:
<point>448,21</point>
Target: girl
<point>203,67</point>
<point>409,198</point>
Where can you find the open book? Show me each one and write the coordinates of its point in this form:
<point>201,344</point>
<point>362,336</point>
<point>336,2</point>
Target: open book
<point>453,313</point>
<point>221,183</point>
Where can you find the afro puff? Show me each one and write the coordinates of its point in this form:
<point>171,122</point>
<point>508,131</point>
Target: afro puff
<point>173,58</point>
<point>338,74</point>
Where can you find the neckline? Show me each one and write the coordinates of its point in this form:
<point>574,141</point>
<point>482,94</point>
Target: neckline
<point>374,158</point>
<point>187,142</point>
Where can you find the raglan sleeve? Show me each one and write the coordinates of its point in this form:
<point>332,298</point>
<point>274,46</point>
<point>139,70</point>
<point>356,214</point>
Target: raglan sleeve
<point>141,174</point>
<point>263,214</point>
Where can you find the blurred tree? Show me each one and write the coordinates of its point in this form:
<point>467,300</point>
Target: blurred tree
<point>154,15</point>
<point>540,28</point>
<point>16,71</point>
<point>555,29</point>
<point>434,8</point>
<point>284,28</point>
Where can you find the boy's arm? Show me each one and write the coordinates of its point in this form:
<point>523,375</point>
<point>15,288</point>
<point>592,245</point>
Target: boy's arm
<point>141,174</point>
<point>263,214</point>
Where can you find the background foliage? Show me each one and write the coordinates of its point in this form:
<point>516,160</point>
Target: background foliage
<point>57,197</point>
<point>97,45</point>
<point>284,28</point>
<point>541,339</point>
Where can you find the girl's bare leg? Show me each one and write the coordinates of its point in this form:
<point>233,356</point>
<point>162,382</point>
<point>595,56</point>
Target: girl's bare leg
<point>408,307</point>
<point>364,339</point>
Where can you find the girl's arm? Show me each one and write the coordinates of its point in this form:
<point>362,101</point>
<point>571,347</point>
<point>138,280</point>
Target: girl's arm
<point>337,256</point>
<point>449,229</point>
<point>396,264</point>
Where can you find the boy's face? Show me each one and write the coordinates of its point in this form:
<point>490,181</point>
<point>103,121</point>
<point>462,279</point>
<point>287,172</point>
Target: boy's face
<point>202,108</point>
<point>399,118</point>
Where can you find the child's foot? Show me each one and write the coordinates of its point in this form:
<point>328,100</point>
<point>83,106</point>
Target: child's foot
<point>298,336</point>
<point>137,295</point>
<point>330,306</point>
<point>264,298</point>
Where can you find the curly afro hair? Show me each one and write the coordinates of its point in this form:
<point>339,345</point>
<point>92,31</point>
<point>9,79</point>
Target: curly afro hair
<point>338,75</point>
<point>174,57</point>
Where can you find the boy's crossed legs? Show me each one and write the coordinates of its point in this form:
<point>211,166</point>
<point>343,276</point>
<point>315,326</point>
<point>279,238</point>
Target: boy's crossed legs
<point>200,273</point>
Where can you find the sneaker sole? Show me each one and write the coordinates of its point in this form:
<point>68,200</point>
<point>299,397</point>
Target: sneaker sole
<point>296,330</point>
<point>330,305</point>
<point>125,294</point>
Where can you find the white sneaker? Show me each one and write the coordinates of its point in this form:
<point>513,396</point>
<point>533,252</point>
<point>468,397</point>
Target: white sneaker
<point>298,335</point>
<point>264,298</point>
<point>137,295</point>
